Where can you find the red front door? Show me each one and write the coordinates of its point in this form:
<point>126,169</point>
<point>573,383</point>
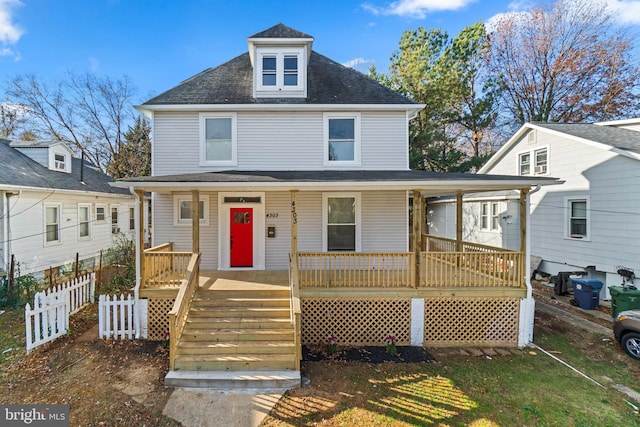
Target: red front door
<point>241,235</point>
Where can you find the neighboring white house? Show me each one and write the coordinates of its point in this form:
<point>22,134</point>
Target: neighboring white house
<point>54,207</point>
<point>591,222</point>
<point>290,152</point>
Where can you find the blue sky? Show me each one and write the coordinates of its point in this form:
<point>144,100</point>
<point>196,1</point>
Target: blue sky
<point>160,43</point>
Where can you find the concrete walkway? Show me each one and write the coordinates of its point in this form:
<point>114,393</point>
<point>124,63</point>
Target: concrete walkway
<point>213,408</point>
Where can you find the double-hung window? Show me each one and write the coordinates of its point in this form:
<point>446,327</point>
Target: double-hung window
<point>218,139</point>
<point>534,162</point>
<point>341,218</point>
<point>132,218</point>
<point>490,216</point>
<point>114,220</point>
<point>540,167</point>
<point>525,163</point>
<point>101,213</point>
<point>182,209</point>
<point>341,139</point>
<point>280,72</point>
<point>52,224</point>
<point>84,221</point>
<point>578,218</point>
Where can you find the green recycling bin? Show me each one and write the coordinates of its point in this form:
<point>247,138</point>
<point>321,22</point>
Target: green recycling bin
<point>623,299</point>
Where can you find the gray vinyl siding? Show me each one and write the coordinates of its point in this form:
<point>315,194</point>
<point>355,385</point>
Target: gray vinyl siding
<point>609,181</point>
<point>277,141</point>
<point>384,221</point>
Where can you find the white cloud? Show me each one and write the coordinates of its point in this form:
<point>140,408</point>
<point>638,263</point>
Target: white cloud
<point>626,12</point>
<point>10,32</point>
<point>359,62</point>
<point>416,8</point>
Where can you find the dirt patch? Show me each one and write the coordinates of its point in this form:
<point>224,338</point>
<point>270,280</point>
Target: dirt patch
<point>104,383</point>
<point>368,354</point>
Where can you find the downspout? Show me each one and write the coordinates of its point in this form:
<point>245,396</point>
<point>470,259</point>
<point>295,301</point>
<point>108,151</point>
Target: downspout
<point>136,288</point>
<point>5,231</point>
<point>527,305</point>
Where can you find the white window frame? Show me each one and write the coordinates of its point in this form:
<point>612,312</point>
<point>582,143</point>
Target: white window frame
<point>86,206</point>
<point>326,117</point>
<point>115,226</point>
<point>490,216</point>
<point>178,199</point>
<point>568,217</point>
<point>279,53</point>
<point>132,219</point>
<point>358,217</point>
<point>534,167</point>
<point>104,214</point>
<point>203,139</point>
<point>58,206</point>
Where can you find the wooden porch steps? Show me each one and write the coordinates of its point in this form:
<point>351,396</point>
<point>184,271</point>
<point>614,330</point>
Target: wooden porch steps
<point>244,333</point>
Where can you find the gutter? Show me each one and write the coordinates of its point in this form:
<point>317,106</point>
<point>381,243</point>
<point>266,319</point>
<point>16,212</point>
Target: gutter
<point>136,288</point>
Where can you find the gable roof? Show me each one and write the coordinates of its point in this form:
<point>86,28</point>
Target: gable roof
<point>19,170</point>
<point>280,31</point>
<point>612,138</point>
<point>328,82</point>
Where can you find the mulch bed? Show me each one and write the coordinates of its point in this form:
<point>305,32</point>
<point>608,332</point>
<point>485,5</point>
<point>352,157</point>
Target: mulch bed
<point>368,354</point>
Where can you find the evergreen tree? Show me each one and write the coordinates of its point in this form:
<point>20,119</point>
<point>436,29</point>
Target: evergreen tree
<point>133,157</point>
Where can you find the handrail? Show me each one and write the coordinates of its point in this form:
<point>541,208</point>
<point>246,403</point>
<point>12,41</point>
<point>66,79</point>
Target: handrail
<point>181,306</point>
<point>356,269</point>
<point>444,244</point>
<point>165,268</point>
<point>296,311</point>
<point>165,247</point>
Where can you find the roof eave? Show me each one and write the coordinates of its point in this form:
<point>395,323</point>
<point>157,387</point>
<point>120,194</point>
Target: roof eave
<point>149,108</point>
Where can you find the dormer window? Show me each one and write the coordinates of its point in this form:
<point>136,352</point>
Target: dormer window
<point>280,71</point>
<point>59,161</point>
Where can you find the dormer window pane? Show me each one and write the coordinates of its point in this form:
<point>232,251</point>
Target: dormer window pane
<point>268,70</point>
<point>59,161</point>
<point>290,70</point>
<point>341,139</point>
<point>219,145</point>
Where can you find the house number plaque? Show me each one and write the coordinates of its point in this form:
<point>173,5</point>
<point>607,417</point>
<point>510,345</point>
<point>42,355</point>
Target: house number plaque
<point>272,215</point>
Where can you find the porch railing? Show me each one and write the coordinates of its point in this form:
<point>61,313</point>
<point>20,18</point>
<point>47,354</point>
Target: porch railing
<point>180,310</point>
<point>356,269</point>
<point>295,309</point>
<point>472,269</point>
<point>163,267</point>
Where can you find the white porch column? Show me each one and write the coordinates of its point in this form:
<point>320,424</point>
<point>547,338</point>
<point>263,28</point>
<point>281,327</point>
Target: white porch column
<point>527,305</point>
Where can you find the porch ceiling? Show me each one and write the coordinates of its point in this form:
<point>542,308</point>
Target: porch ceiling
<point>429,183</point>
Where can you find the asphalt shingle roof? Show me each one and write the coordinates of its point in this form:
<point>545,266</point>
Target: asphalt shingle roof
<point>610,135</point>
<point>280,31</point>
<point>20,170</point>
<point>328,82</point>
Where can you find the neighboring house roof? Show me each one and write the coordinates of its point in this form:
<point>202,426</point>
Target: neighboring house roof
<point>19,170</point>
<point>328,82</point>
<point>607,136</point>
<point>361,179</point>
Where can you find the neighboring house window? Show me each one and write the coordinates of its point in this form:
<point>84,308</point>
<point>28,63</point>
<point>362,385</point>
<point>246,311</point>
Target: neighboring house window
<point>52,224</point>
<point>84,221</point>
<point>490,216</point>
<point>525,164</point>
<point>540,162</point>
<point>60,161</point>
<point>341,218</point>
<point>101,213</point>
<point>578,218</point>
<point>280,69</point>
<point>539,158</point>
<point>182,208</point>
<point>132,218</point>
<point>114,220</point>
<point>218,144</point>
<point>341,139</point>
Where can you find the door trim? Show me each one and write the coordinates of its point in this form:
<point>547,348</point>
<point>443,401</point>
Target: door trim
<point>259,237</point>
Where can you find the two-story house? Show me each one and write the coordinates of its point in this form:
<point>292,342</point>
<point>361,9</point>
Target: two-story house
<point>298,171</point>
<point>56,208</point>
<point>589,222</point>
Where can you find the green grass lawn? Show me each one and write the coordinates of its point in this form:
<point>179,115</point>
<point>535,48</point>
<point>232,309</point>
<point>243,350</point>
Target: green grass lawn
<point>528,389</point>
<point>12,336</point>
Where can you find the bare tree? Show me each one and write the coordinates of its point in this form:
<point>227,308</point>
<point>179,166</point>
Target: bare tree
<point>89,112</point>
<point>12,118</point>
<point>564,62</point>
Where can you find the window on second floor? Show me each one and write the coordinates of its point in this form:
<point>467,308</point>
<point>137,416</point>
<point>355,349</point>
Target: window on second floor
<point>341,139</point>
<point>218,144</point>
<point>533,162</point>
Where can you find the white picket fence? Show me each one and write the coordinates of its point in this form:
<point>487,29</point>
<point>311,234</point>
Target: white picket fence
<point>116,317</point>
<point>48,319</point>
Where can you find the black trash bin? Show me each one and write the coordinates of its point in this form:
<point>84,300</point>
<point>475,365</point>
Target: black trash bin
<point>587,292</point>
<point>562,282</point>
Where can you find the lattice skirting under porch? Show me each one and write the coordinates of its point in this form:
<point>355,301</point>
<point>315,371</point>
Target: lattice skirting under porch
<point>356,321</point>
<point>158,317</point>
<point>471,321</point>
